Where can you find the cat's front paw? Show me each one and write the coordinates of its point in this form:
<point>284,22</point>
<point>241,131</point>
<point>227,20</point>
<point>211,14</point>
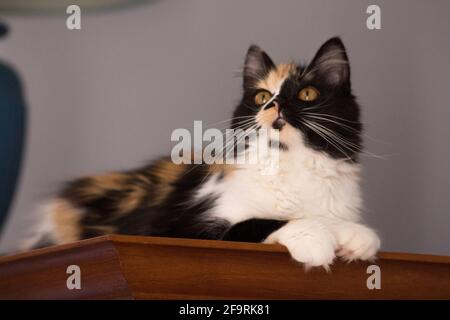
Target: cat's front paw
<point>356,242</point>
<point>308,242</point>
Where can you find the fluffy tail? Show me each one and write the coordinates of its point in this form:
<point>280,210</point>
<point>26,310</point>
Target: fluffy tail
<point>58,224</point>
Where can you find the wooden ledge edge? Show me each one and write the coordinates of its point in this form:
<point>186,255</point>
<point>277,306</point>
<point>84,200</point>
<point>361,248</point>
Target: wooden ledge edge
<point>205,244</point>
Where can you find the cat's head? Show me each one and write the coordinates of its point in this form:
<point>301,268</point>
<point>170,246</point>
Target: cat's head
<point>310,103</point>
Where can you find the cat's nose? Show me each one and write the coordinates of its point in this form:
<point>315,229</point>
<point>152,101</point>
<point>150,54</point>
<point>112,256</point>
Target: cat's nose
<point>276,105</point>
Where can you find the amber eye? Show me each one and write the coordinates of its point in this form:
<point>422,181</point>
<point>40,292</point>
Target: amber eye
<point>262,97</point>
<point>308,94</point>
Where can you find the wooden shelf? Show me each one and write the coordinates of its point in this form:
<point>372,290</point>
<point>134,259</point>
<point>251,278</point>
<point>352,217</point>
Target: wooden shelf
<point>129,267</point>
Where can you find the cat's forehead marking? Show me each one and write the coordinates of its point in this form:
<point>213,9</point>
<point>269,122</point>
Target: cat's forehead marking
<point>273,81</point>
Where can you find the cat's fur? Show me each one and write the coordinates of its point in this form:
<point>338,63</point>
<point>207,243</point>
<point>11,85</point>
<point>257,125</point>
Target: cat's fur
<point>311,205</point>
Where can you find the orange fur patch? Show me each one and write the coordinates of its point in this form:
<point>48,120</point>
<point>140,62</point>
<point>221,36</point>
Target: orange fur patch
<point>66,219</point>
<point>96,186</point>
<point>267,116</point>
<point>167,173</point>
<point>276,77</point>
<point>111,181</point>
<point>132,200</point>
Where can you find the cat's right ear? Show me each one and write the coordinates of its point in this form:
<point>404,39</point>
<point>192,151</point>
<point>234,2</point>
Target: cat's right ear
<point>257,66</point>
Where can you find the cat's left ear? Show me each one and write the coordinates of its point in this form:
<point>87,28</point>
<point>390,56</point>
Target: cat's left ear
<point>331,64</point>
<point>256,67</point>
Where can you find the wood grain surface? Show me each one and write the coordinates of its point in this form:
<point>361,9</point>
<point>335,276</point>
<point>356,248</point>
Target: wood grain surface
<point>130,267</point>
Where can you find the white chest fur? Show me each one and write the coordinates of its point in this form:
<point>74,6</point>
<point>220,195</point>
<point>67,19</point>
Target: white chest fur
<point>307,184</point>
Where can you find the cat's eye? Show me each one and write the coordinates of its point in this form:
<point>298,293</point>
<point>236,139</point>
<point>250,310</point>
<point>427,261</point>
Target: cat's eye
<point>262,97</point>
<point>308,94</point>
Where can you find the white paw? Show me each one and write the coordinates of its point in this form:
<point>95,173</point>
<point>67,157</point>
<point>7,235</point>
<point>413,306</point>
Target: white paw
<point>308,242</point>
<point>356,242</point>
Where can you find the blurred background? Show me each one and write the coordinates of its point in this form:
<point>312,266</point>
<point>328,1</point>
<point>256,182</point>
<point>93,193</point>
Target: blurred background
<point>109,95</point>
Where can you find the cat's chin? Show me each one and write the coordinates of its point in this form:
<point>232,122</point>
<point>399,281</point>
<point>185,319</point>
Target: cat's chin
<point>288,135</point>
<point>281,137</point>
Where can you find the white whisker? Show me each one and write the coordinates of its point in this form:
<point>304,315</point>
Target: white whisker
<point>324,136</point>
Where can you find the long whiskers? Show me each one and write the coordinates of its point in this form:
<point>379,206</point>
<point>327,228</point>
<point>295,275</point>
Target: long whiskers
<point>334,137</point>
<point>323,118</point>
<point>326,137</point>
<point>242,119</point>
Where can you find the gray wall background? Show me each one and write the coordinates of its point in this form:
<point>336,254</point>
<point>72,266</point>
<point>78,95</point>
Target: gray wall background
<point>108,96</point>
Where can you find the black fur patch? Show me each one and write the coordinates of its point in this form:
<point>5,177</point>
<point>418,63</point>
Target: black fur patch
<point>178,216</point>
<point>253,230</point>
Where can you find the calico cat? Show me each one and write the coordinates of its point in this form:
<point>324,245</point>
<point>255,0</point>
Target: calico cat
<point>311,205</point>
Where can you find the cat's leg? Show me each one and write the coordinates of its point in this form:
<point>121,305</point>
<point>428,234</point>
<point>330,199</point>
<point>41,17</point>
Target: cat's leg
<point>355,241</point>
<point>308,240</point>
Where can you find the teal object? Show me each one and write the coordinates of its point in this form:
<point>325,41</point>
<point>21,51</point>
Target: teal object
<point>12,136</point>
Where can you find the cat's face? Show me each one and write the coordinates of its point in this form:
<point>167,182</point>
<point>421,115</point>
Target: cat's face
<point>313,102</point>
